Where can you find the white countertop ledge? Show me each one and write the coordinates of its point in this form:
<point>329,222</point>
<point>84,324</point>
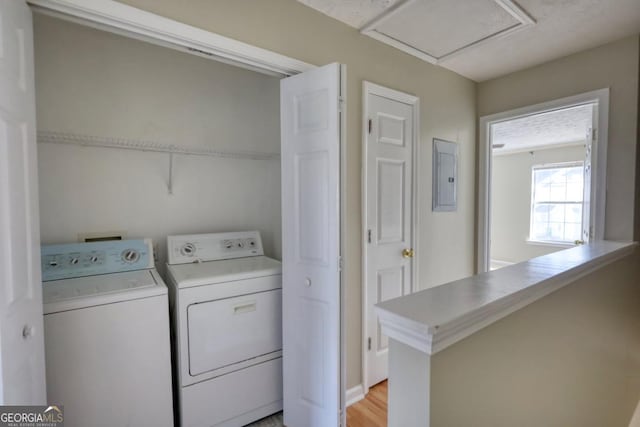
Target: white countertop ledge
<point>435,318</point>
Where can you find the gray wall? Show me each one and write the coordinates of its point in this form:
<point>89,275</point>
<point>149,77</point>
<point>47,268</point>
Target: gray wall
<point>614,66</point>
<point>570,359</point>
<point>447,103</point>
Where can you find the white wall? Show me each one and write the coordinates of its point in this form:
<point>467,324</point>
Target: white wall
<point>511,201</point>
<point>96,83</point>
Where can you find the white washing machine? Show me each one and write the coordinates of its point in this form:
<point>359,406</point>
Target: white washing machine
<point>106,322</point>
<point>226,306</point>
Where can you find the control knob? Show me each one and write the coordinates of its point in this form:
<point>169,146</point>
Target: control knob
<point>188,249</point>
<point>130,256</point>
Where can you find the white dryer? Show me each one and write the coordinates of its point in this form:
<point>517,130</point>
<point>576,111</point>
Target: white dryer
<point>106,324</point>
<point>226,308</point>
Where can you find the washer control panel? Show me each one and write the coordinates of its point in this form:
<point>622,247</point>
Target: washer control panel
<point>66,261</point>
<point>190,248</point>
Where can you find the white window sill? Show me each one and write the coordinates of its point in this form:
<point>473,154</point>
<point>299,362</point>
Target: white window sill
<point>551,243</point>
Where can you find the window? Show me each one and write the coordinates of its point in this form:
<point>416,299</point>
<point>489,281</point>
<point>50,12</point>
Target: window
<point>556,206</point>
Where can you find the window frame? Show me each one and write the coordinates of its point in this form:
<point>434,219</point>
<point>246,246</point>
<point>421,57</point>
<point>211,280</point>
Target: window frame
<point>546,166</point>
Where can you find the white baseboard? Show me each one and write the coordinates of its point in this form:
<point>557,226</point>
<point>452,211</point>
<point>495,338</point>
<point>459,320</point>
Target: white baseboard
<point>354,394</point>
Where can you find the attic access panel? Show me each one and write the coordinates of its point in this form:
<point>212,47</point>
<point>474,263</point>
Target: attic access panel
<point>434,30</point>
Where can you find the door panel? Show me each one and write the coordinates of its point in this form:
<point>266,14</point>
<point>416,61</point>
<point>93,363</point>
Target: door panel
<point>389,217</point>
<point>311,195</point>
<point>391,207</point>
<point>311,132</point>
<point>312,389</point>
<point>256,320</point>
<point>391,129</point>
<point>22,375</point>
<point>390,285</point>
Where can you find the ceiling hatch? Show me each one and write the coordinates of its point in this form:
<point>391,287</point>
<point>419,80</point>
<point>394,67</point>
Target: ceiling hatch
<point>435,30</point>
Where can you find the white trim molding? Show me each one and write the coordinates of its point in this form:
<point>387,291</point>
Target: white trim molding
<point>371,29</point>
<point>422,322</point>
<point>119,18</point>
<point>354,395</point>
<point>599,165</point>
<point>369,88</point>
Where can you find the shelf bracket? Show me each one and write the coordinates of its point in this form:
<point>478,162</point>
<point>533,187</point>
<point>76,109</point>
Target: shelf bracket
<point>170,184</point>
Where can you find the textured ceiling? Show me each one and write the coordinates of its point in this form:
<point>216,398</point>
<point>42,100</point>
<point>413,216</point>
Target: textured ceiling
<point>564,126</point>
<point>356,13</point>
<point>562,27</point>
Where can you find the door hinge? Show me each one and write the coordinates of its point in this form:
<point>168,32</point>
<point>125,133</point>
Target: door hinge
<point>370,126</point>
<point>340,103</point>
<point>594,134</point>
<point>369,236</point>
<point>340,263</point>
<point>369,344</point>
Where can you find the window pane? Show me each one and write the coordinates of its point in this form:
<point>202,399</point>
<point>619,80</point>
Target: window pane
<point>544,175</point>
<point>556,213</point>
<point>573,213</point>
<point>541,231</point>
<point>557,203</point>
<point>541,214</point>
<point>559,176</point>
<point>575,174</point>
<point>541,191</point>
<point>572,232</point>
<point>556,231</point>
<point>574,191</point>
<point>558,192</point>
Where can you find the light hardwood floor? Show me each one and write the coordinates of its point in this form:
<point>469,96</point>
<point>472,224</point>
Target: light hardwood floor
<point>370,411</point>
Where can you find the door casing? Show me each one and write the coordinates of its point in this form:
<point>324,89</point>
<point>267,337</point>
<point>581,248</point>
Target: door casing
<point>368,89</point>
<point>128,21</point>
<point>598,175</point>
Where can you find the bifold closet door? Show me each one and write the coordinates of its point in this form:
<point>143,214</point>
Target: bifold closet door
<point>22,377</point>
<point>311,133</point>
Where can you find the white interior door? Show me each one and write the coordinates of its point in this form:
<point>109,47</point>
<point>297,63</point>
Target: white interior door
<point>588,176</point>
<point>311,133</point>
<point>389,218</point>
<point>22,377</point>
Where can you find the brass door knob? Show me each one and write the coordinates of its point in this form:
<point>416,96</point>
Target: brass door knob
<point>407,253</point>
<point>579,242</point>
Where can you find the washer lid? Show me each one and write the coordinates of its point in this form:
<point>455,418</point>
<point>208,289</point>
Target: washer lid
<point>212,272</point>
<point>82,292</point>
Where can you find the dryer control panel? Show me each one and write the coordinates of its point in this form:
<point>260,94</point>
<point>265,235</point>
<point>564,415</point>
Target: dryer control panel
<point>66,261</point>
<point>190,248</point>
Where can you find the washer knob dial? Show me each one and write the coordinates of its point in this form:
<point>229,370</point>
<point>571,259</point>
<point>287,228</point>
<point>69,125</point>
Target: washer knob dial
<point>130,256</point>
<point>188,249</point>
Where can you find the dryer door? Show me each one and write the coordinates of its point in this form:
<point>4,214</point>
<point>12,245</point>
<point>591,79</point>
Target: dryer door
<point>229,331</point>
